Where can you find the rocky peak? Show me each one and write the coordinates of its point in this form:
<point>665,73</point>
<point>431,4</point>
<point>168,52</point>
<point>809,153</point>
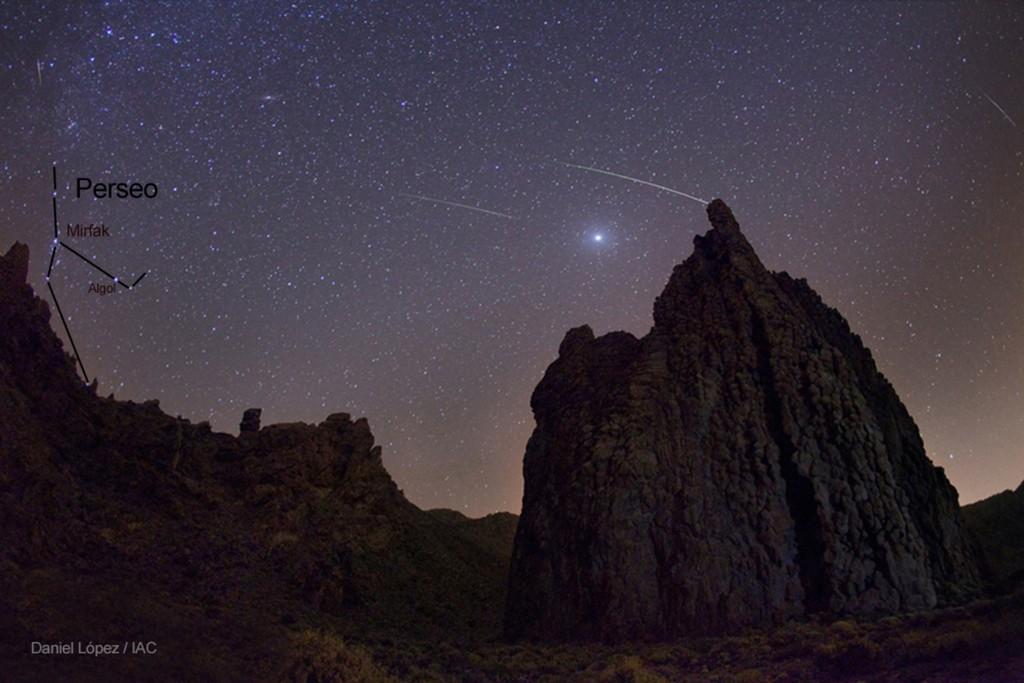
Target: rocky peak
<point>250,421</point>
<point>742,464</point>
<point>32,357</point>
<point>14,265</point>
<point>575,338</point>
<point>725,242</point>
<point>721,216</point>
<point>722,258</point>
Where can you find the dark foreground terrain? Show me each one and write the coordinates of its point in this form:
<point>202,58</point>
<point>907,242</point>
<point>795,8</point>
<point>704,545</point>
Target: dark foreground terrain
<point>288,553</point>
<point>980,642</point>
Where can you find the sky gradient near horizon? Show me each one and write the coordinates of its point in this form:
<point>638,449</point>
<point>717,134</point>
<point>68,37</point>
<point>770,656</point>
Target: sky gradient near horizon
<point>312,249</point>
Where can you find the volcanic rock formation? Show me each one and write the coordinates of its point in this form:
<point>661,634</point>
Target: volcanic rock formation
<point>250,420</point>
<point>743,463</point>
<point>119,522</point>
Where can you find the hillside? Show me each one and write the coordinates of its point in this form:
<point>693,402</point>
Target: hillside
<point>230,553</point>
<point>998,525</point>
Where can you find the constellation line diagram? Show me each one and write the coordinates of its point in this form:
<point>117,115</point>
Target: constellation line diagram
<point>57,244</point>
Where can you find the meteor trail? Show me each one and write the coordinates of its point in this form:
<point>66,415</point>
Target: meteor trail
<point>455,204</point>
<point>634,180</point>
<point>1001,110</point>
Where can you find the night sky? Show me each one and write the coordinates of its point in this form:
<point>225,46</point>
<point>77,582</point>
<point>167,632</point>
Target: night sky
<point>876,149</point>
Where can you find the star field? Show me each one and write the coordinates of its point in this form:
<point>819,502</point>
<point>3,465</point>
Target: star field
<point>293,264</point>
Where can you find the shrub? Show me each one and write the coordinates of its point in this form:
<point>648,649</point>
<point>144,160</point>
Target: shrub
<point>322,657</point>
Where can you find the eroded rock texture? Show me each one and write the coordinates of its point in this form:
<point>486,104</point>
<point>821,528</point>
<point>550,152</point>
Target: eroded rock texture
<point>743,463</point>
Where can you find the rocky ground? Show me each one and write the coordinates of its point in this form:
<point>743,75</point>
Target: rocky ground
<point>980,642</point>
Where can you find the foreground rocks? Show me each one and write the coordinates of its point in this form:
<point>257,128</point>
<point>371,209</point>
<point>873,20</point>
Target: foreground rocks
<point>742,464</point>
<point>120,523</point>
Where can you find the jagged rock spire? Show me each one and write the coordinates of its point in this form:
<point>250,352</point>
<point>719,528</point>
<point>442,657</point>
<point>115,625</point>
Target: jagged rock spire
<point>721,216</point>
<point>742,464</point>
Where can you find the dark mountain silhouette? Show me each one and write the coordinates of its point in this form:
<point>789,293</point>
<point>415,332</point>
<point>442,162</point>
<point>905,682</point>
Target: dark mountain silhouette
<point>997,523</point>
<point>743,463</point>
<point>120,522</point>
<point>288,553</point>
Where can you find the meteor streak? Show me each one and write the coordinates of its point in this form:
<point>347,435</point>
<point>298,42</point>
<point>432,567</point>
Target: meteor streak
<point>634,180</point>
<point>455,204</point>
<point>1001,110</point>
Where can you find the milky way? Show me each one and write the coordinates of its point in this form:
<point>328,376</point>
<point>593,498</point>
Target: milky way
<point>855,142</point>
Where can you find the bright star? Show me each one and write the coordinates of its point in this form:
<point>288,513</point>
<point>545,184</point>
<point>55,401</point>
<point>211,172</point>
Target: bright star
<point>598,237</point>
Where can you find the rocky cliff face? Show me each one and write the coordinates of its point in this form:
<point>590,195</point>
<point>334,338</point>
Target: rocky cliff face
<point>119,522</point>
<point>743,463</point>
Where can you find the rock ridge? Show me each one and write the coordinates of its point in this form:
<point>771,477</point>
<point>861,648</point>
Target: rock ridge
<point>117,519</point>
